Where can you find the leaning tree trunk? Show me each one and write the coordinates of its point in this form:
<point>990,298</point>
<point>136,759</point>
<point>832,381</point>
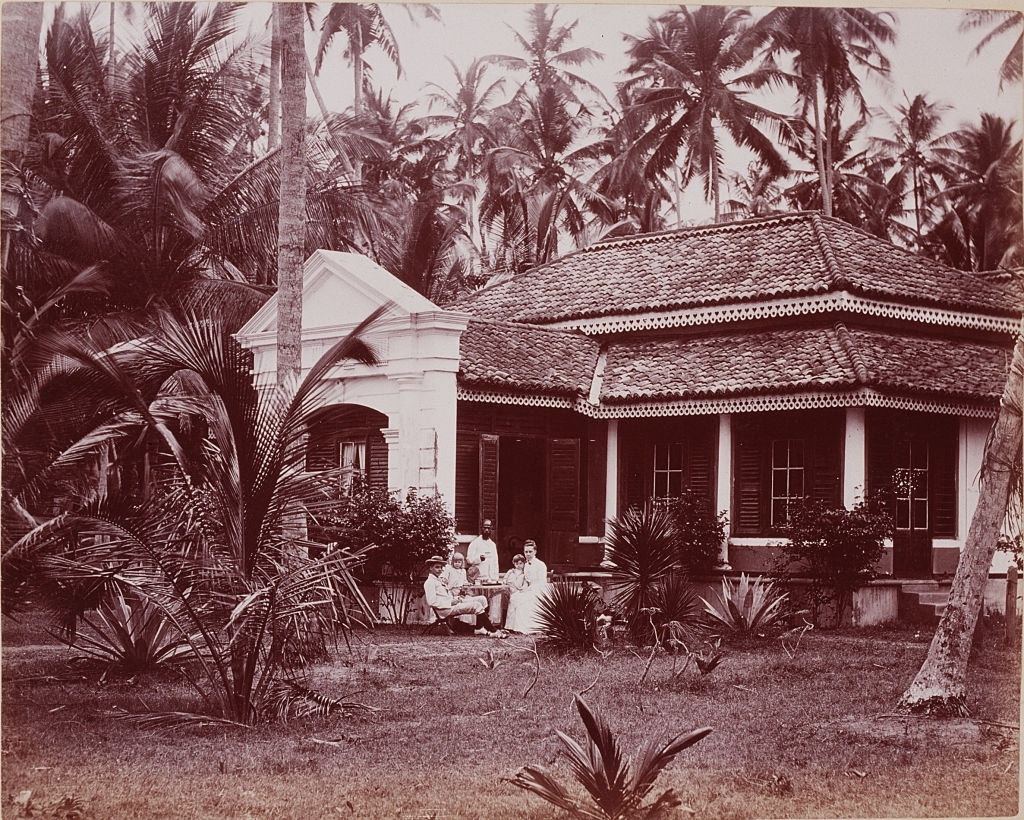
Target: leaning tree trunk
<point>824,177</point>
<point>19,60</point>
<point>940,685</point>
<point>274,89</point>
<point>292,207</point>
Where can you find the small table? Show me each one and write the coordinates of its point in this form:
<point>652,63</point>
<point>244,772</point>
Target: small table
<point>495,597</point>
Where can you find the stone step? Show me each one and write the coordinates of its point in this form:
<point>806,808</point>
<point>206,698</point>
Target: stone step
<point>922,603</point>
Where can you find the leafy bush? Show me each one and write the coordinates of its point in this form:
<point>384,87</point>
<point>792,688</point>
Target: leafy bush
<point>836,547</point>
<point>617,791</point>
<point>641,547</point>
<point>567,614</point>
<point>746,607</point>
<point>405,532</point>
<point>699,533</point>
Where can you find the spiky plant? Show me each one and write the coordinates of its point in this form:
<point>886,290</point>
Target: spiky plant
<point>679,612</point>
<point>747,607</point>
<point>642,550</point>
<point>567,615</point>
<point>131,633</point>
<point>616,788</point>
<point>210,541</point>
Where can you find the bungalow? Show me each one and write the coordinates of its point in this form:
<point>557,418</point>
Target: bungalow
<point>753,362</point>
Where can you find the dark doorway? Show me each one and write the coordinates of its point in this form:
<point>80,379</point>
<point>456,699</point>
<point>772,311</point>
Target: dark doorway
<point>521,495</point>
<point>912,538</point>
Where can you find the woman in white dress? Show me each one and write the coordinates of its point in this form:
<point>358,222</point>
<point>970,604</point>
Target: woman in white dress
<point>522,604</point>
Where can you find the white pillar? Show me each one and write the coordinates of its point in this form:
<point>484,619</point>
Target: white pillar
<point>611,480</point>
<point>723,489</point>
<point>855,457</point>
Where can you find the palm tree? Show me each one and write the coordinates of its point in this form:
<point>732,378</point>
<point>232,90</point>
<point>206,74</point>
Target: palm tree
<point>211,545</point>
<point>856,193</point>
<point>754,194</point>
<point>982,228</point>
<point>1000,24</point>
<point>538,187</point>
<point>826,44</point>
<point>686,85</point>
<point>916,157</point>
<point>291,251</point>
<point>547,61</point>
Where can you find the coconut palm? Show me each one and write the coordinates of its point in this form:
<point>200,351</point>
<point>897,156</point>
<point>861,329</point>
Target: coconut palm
<point>826,44</point>
<point>364,26</point>
<point>999,25</point>
<point>539,190</point>
<point>753,194</point>
<point>546,61</point>
<point>982,228</point>
<point>917,157</point>
<point>688,84</point>
<point>211,546</point>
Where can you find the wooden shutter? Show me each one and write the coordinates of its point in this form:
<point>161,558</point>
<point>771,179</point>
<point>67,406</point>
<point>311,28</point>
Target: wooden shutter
<point>749,482</point>
<point>701,467</point>
<point>467,481</point>
<point>942,476</point>
<point>376,461</point>
<point>488,479</point>
<point>563,503</point>
<point>826,462</point>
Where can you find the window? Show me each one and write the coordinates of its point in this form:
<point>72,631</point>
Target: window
<point>911,486</point>
<point>352,460</point>
<point>668,470</point>
<point>787,477</point>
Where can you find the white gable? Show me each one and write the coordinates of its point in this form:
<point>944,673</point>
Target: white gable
<point>340,290</point>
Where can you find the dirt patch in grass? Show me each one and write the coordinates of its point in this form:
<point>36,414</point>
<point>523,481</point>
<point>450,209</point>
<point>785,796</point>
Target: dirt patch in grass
<point>449,718</point>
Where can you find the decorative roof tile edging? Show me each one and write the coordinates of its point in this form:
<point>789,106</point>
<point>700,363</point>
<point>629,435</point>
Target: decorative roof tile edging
<point>745,404</point>
<point>826,303</point>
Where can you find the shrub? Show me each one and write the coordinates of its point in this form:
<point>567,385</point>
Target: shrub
<point>699,533</point>
<point>567,614</point>
<point>746,608</point>
<point>641,547</point>
<point>405,532</point>
<point>616,789</point>
<point>836,547</point>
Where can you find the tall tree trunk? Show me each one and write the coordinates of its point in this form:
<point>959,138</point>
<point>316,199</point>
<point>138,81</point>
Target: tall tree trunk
<point>274,93</point>
<point>940,685</point>
<point>819,152</point>
<point>292,206</point>
<point>19,60</point>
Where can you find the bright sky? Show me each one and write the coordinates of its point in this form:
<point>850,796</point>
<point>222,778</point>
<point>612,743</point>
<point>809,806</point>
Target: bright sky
<point>930,54</point>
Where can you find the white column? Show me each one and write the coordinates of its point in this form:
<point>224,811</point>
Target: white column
<point>611,480</point>
<point>723,490</point>
<point>855,457</point>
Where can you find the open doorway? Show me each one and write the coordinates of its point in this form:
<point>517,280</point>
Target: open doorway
<point>522,493</point>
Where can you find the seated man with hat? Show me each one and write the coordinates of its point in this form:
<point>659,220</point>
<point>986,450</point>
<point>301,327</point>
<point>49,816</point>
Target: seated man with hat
<point>446,603</point>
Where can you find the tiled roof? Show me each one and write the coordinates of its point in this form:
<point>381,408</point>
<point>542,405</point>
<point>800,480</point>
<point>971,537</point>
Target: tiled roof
<point>725,365</point>
<point>505,357</point>
<point>822,359</point>
<point>526,359</point>
<point>793,255</point>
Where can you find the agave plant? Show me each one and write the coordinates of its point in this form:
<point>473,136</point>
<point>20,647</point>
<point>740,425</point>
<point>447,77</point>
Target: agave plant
<point>567,615</point>
<point>616,787</point>
<point>746,607</point>
<point>131,633</point>
<point>210,540</point>
<point>642,550</point>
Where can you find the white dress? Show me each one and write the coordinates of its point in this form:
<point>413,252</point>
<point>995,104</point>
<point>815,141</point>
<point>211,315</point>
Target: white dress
<point>522,606</point>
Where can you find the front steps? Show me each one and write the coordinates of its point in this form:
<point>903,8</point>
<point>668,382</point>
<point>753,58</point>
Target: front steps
<point>922,602</point>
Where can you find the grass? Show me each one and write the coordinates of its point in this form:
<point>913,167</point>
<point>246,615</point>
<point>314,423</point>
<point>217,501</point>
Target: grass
<point>447,720</point>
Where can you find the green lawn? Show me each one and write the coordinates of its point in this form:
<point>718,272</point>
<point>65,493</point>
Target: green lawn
<point>804,736</point>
